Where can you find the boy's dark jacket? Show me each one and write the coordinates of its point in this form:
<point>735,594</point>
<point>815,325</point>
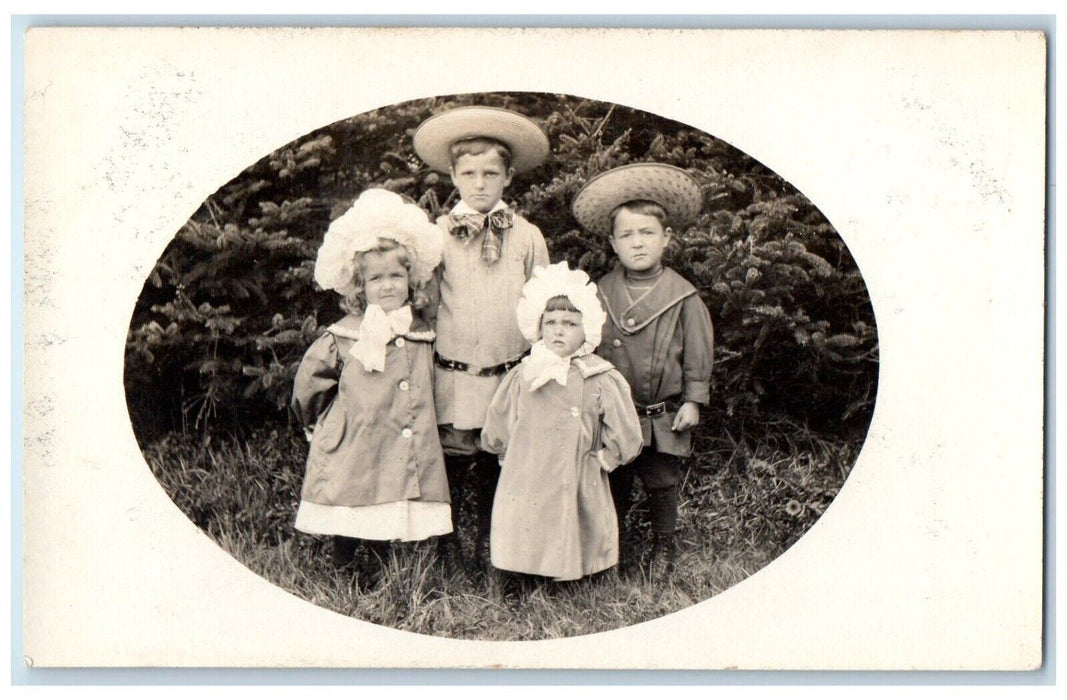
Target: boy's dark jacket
<point>663,345</point>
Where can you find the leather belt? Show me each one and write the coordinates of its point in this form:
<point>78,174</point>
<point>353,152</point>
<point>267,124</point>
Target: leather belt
<point>473,370</point>
<point>657,409</point>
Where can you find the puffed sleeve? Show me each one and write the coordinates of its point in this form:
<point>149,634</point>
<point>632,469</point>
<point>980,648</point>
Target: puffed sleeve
<point>503,412</point>
<point>698,348</point>
<point>620,430</point>
<point>538,255</point>
<point>316,380</point>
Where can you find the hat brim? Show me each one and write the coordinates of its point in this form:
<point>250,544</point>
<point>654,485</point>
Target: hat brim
<point>435,136</point>
<point>672,188</point>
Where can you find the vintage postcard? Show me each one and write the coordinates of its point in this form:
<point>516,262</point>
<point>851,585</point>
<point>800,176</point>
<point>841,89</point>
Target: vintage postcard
<point>534,348</point>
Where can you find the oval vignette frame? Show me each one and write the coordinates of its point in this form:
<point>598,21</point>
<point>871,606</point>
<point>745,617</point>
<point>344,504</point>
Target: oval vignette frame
<point>227,312</point>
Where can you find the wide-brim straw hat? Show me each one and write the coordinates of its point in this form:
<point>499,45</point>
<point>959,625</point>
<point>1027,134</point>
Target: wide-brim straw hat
<point>435,136</point>
<point>672,188</point>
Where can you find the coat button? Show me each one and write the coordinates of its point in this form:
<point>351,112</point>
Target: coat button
<point>404,386</point>
<point>630,322</point>
<point>406,432</point>
<point>574,411</point>
<point>616,343</point>
<point>400,342</point>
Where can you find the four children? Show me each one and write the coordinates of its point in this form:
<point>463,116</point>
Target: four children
<point>512,370</point>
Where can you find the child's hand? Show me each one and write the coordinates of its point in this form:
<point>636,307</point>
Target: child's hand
<point>687,417</point>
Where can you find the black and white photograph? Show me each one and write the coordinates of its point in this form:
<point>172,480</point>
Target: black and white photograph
<point>669,355</point>
<point>750,313</point>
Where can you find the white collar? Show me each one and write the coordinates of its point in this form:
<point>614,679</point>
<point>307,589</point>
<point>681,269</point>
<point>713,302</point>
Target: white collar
<point>464,208</point>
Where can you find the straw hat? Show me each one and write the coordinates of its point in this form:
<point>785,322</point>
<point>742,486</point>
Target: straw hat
<point>435,136</point>
<point>672,188</point>
<point>377,213</point>
<point>559,280</point>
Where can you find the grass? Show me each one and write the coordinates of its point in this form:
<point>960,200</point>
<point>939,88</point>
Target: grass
<point>744,501</point>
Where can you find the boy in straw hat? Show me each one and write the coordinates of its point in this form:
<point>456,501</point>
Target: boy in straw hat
<point>490,252</point>
<point>658,334</point>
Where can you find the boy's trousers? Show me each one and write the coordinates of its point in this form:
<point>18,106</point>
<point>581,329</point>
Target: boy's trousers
<point>661,475</point>
<point>470,470</point>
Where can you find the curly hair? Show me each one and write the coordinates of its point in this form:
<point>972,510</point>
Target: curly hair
<point>355,302</point>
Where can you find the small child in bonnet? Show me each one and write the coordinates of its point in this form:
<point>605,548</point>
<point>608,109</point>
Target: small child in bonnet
<point>363,392</point>
<point>560,421</point>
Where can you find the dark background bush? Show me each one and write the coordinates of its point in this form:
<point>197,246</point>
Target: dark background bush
<point>230,307</point>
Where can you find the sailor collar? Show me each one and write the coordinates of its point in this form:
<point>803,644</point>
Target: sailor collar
<point>630,318</point>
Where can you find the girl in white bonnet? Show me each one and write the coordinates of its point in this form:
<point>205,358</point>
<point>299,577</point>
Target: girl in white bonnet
<point>363,392</point>
<point>560,421</point>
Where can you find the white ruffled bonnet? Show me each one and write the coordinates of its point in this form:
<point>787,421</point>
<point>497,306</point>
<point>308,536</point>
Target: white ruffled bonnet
<point>559,280</point>
<point>377,214</point>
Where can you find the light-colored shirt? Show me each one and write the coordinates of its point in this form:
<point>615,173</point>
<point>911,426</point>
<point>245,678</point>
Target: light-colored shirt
<point>475,319</point>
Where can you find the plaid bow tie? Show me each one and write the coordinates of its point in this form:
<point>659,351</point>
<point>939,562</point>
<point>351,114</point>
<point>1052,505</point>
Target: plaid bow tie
<point>467,226</point>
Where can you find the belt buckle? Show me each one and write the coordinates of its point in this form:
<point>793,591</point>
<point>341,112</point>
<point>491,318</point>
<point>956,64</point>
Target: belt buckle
<point>472,370</point>
<point>656,409</point>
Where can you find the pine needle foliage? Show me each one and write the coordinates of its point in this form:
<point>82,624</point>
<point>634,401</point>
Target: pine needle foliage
<point>230,307</point>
